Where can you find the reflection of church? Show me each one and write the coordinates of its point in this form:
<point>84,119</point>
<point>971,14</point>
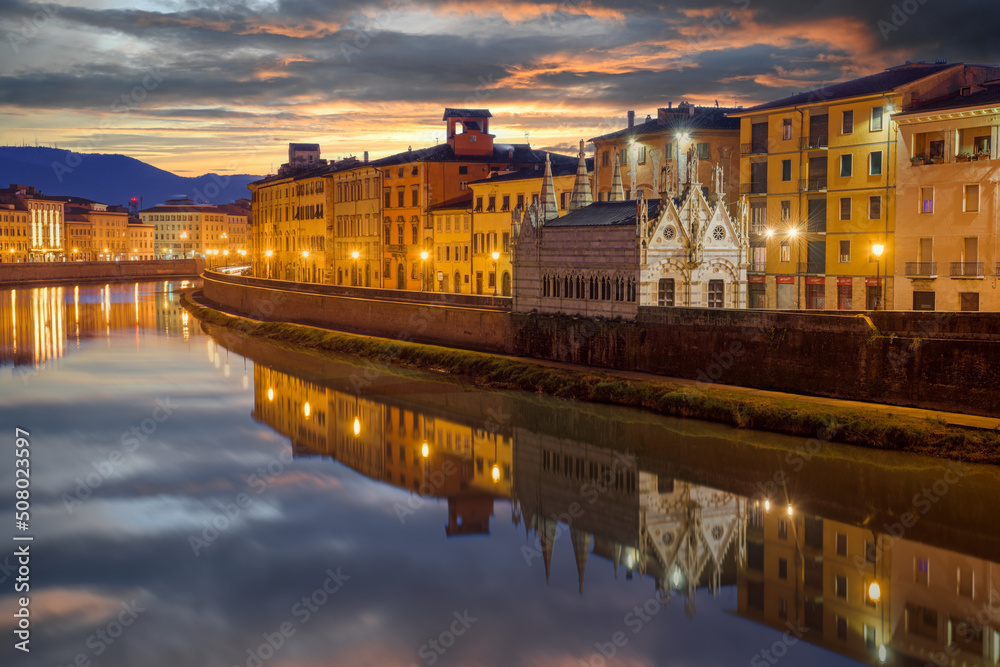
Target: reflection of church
<point>792,570</point>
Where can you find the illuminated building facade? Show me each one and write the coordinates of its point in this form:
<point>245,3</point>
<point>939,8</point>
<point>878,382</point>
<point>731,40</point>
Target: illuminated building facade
<point>185,229</point>
<point>353,197</point>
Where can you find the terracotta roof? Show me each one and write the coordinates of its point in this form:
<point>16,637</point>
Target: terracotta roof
<point>562,165</point>
<point>874,84</point>
<point>982,98</point>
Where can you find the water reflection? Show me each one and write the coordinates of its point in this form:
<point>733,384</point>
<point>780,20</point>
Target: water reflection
<point>39,324</point>
<point>874,597</point>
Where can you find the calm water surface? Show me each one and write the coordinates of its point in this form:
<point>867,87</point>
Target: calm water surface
<point>202,499</point>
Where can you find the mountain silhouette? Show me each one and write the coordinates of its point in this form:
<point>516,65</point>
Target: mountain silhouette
<point>112,179</point>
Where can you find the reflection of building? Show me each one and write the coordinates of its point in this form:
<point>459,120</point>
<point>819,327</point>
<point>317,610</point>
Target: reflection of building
<point>38,323</point>
<point>415,450</point>
<point>806,572</point>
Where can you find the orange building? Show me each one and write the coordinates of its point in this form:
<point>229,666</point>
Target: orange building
<point>416,180</point>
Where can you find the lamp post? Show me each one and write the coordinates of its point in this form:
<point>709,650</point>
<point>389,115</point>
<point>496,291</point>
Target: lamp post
<point>184,236</point>
<point>355,277</point>
<point>423,258</point>
<point>305,269</point>
<point>496,256</point>
<point>877,250</point>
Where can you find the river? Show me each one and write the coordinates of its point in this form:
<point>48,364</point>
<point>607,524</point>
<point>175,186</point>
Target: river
<point>200,498</point>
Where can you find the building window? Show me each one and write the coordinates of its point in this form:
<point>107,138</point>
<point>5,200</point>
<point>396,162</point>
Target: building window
<point>786,252</point>
<point>665,292</point>
<point>870,640</point>
<point>605,158</point>
<point>668,150</point>
<point>703,151</point>
<point>520,201</point>
<point>969,301</point>
<point>505,205</point>
<point>758,218</point>
<point>782,608</point>
<point>966,582</point>
<point>786,210</point>
<point>847,123</point>
<point>815,297</point>
<point>564,200</point>
<point>927,200</point>
<point>842,545</point>
<point>641,155</point>
<point>875,163</point>
<point>463,170</point>
<point>491,206</point>
<point>388,197</point>
<point>782,568</point>
<point>415,196</point>
<point>786,170</point>
<point>782,529</point>
<point>876,125</point>
<point>845,251</point>
<point>840,586</point>
<point>875,207</point>
<point>971,198</point>
<point>842,628</point>
<point>846,165</point>
<point>786,129</point>
<point>716,294</point>
<point>921,571</point>
<point>401,197</point>
<point>479,205</point>
<point>845,300</point>
<point>845,208</point>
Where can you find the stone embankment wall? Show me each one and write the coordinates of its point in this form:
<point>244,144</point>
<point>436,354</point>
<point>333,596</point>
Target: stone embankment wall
<point>38,273</point>
<point>945,361</point>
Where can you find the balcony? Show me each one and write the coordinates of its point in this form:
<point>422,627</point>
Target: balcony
<point>921,269</point>
<point>818,141</point>
<point>815,184</point>
<point>814,268</point>
<point>396,248</point>
<point>757,267</point>
<point>753,148</point>
<point>966,269</point>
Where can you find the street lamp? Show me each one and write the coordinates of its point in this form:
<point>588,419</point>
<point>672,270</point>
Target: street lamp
<point>877,250</point>
<point>268,254</point>
<point>184,236</point>
<point>355,279</point>
<point>423,258</point>
<point>496,256</point>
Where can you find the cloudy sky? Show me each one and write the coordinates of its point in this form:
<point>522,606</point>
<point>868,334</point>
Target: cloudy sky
<point>219,85</point>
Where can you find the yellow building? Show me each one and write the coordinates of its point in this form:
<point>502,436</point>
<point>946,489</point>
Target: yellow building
<point>140,240</point>
<point>946,223</point>
<point>110,240</point>
<point>493,201</point>
<point>79,237</point>
<point>236,234</point>
<point>819,169</point>
<point>289,219</point>
<point>185,229</point>
<point>14,229</point>
<point>452,253</point>
<point>653,154</point>
<point>354,199</point>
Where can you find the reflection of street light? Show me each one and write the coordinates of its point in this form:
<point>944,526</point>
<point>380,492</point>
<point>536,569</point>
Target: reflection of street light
<point>425,451</point>
<point>496,256</point>
<point>496,473</point>
<point>423,258</point>
<point>357,426</point>
<point>877,250</point>
<point>874,592</point>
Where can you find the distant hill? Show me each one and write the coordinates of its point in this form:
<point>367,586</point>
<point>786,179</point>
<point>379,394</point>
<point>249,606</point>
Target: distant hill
<point>112,179</point>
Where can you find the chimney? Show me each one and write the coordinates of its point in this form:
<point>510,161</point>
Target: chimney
<point>631,119</point>
<point>366,157</point>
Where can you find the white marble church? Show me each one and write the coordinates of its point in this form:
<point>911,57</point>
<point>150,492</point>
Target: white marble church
<point>606,259</point>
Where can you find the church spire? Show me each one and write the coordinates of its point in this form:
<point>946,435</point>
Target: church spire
<point>581,188</point>
<point>581,548</point>
<point>617,189</point>
<point>550,208</point>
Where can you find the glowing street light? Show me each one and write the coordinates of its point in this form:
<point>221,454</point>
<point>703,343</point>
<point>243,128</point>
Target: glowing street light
<point>877,250</point>
<point>355,279</point>
<point>423,258</point>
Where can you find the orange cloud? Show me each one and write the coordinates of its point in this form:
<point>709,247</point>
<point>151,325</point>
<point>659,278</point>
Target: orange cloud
<point>521,12</point>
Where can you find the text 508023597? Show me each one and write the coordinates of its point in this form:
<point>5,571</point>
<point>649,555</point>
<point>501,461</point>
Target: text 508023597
<point>22,553</point>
